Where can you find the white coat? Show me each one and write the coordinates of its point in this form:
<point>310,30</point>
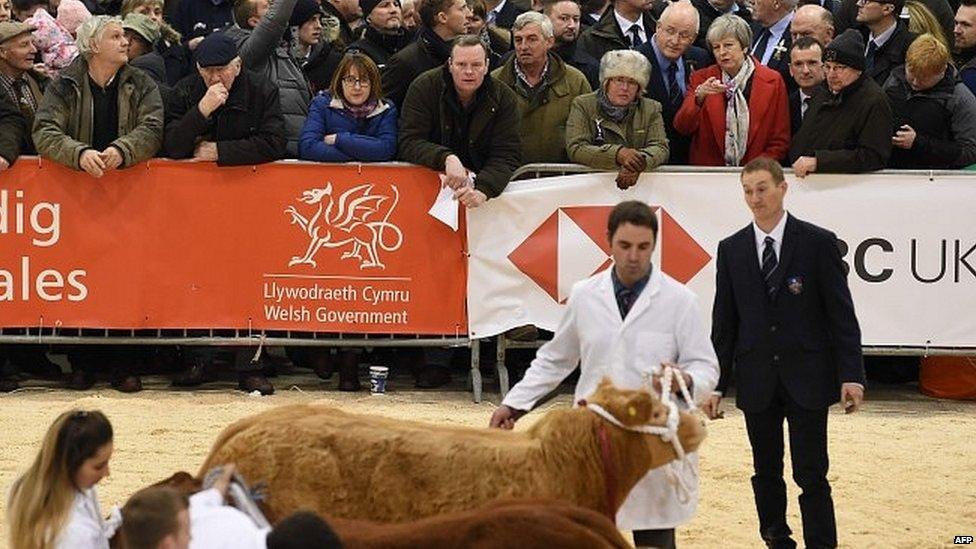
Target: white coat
<point>86,527</point>
<point>663,325</point>
<point>214,525</point>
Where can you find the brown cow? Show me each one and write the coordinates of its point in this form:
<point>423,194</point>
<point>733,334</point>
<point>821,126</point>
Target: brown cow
<point>502,524</point>
<point>368,467</point>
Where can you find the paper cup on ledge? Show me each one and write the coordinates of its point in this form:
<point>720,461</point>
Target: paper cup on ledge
<point>377,379</point>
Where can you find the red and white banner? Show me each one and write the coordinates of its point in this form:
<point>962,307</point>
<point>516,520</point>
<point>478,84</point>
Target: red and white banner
<point>909,242</point>
<point>286,246</point>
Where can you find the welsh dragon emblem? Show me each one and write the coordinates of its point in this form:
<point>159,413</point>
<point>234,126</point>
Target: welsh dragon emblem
<point>358,218</point>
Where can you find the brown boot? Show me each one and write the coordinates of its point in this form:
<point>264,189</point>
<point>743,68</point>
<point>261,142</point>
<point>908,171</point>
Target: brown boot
<point>349,371</point>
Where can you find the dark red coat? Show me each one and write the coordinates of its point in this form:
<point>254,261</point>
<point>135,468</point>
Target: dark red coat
<point>769,119</point>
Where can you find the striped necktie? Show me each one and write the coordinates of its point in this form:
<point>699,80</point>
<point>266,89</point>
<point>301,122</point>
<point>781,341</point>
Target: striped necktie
<point>769,263</point>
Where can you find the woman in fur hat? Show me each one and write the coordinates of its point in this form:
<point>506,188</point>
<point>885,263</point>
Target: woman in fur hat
<point>616,127</point>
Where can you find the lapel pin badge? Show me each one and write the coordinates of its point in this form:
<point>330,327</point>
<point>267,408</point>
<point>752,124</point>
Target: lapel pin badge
<point>795,284</point>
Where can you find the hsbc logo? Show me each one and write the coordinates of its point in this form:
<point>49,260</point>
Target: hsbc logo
<point>571,244</point>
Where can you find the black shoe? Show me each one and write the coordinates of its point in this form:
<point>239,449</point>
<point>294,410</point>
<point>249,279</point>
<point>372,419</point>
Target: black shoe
<point>80,380</point>
<point>127,384</point>
<point>200,372</point>
<point>321,362</point>
<point>255,382</point>
<point>7,385</point>
<point>432,377</point>
<point>349,372</point>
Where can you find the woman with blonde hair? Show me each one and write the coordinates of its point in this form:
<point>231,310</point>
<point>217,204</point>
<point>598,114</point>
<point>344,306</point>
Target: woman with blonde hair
<point>921,20</point>
<point>53,505</point>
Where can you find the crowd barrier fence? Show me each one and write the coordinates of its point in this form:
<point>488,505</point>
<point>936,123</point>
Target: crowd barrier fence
<point>185,253</point>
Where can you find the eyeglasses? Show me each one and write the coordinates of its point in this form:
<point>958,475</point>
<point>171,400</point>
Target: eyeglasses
<point>684,36</point>
<point>624,81</point>
<point>355,81</point>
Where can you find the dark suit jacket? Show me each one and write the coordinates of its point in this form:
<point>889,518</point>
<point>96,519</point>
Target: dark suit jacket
<point>693,59</point>
<point>805,337</point>
<point>769,120</point>
<point>779,61</point>
<point>506,18</point>
<point>891,54</point>
<point>796,118</point>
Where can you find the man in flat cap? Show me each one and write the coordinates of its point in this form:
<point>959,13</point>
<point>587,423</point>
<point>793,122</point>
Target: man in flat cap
<point>19,82</point>
<point>848,125</point>
<point>225,113</point>
<point>231,116</point>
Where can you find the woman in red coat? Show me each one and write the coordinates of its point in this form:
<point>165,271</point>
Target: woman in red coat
<point>738,109</point>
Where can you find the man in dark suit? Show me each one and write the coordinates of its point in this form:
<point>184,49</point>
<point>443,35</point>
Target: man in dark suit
<point>887,37</point>
<point>813,21</point>
<point>784,328</point>
<point>625,25</point>
<point>807,69</point>
<point>502,14</point>
<point>673,58</point>
<point>710,10</point>
<point>772,37</point>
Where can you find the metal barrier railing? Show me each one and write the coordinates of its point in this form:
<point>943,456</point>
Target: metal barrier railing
<point>238,337</point>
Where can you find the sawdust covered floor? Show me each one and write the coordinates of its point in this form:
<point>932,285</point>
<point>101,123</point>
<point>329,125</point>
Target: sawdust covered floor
<point>903,471</point>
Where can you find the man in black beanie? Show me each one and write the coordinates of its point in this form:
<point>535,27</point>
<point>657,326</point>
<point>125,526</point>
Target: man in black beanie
<point>848,126</point>
<point>384,35</point>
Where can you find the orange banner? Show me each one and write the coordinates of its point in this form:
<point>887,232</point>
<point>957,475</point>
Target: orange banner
<point>285,246</point>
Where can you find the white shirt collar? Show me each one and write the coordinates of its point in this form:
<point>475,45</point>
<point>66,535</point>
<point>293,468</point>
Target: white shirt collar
<point>499,7</point>
<point>880,39</point>
<point>625,25</point>
<point>776,234</point>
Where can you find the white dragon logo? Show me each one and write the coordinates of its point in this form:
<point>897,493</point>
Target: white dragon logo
<point>346,221</point>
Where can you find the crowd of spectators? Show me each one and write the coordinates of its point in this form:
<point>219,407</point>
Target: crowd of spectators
<point>474,89</point>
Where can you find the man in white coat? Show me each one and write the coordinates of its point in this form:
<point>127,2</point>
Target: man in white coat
<point>624,323</point>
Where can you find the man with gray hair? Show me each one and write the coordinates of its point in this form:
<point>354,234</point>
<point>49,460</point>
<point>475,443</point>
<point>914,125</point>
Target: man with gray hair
<point>673,58</point>
<point>771,29</point>
<point>544,87</point>
<point>101,114</point>
<point>813,21</point>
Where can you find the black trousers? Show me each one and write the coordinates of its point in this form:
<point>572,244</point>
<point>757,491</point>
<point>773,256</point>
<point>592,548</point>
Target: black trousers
<point>808,449</point>
<point>663,539</point>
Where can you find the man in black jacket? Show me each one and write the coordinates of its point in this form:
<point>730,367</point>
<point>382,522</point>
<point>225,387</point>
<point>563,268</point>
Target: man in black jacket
<point>784,329</point>
<point>12,129</point>
<point>19,82</point>
<point>565,16</point>
<point>710,10</point>
<point>848,125</point>
<point>224,114</point>
<point>442,21</point>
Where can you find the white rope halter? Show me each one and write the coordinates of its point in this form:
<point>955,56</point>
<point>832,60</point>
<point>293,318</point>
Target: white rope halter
<point>668,432</point>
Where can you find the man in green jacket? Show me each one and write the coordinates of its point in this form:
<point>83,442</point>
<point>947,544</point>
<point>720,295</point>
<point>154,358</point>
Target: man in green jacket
<point>544,87</point>
<point>101,114</point>
<point>456,120</point>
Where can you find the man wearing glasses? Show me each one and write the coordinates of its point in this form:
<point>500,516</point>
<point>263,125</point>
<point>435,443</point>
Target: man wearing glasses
<point>888,38</point>
<point>673,58</point>
<point>847,127</point>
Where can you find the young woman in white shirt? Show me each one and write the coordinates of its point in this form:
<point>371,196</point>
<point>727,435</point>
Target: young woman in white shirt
<point>53,505</point>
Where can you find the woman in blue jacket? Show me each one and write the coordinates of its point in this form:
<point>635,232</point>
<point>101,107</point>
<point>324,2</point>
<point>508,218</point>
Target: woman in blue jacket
<point>351,122</point>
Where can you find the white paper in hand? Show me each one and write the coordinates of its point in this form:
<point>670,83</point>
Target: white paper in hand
<point>446,208</point>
